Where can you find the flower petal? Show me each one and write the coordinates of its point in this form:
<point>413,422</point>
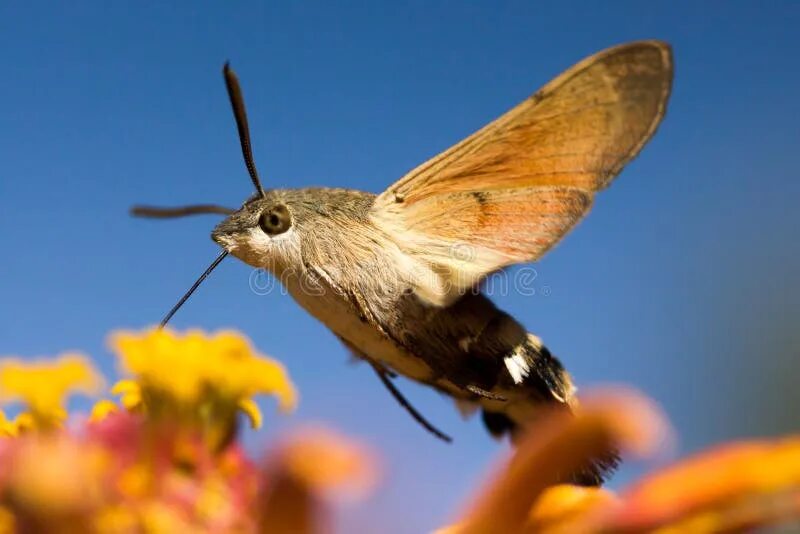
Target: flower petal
<point>102,409</point>
<point>733,486</point>
<point>308,465</point>
<point>43,385</point>
<point>561,443</point>
<point>253,413</point>
<point>563,507</point>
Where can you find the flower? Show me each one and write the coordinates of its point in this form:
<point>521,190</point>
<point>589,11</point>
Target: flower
<point>190,366</point>
<point>102,409</point>
<point>198,379</point>
<point>561,508</point>
<point>167,458</point>
<point>302,470</point>
<point>729,488</point>
<point>43,385</point>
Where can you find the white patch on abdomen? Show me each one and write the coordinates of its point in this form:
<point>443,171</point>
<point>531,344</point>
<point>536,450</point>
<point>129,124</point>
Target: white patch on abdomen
<point>517,365</point>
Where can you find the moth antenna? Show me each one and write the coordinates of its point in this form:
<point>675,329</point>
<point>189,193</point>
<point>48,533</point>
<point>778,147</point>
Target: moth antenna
<point>240,114</point>
<point>155,212</point>
<point>418,417</point>
<point>188,294</point>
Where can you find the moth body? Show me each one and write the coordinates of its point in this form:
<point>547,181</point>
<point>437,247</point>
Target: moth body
<point>342,269</point>
<point>396,275</point>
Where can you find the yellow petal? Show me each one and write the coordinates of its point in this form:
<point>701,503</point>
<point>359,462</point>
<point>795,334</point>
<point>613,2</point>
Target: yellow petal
<point>186,367</point>
<point>43,385</point>
<point>130,394</point>
<point>22,423</point>
<point>250,409</point>
<point>102,409</point>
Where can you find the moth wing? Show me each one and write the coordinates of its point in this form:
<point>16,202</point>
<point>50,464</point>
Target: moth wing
<point>510,191</point>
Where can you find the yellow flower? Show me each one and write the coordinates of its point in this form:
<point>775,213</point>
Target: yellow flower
<point>200,380</point>
<point>188,366</point>
<point>43,385</point>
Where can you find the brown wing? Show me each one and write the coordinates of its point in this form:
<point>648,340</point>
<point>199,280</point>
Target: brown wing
<point>513,189</point>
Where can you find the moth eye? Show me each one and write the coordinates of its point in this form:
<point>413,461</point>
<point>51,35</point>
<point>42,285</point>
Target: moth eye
<point>275,220</point>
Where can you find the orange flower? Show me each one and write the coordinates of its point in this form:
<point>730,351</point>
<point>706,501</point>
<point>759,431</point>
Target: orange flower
<point>564,507</point>
<point>730,488</point>
<point>308,465</point>
<point>562,443</point>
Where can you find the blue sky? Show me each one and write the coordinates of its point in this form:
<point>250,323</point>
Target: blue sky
<point>682,282</point>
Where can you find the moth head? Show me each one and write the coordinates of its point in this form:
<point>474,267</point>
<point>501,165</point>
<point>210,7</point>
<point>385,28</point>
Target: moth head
<point>260,232</point>
<point>263,232</point>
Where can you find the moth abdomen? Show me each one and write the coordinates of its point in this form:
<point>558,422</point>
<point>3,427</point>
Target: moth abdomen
<point>531,371</point>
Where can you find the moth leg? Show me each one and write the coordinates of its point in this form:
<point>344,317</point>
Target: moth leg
<point>480,392</point>
<point>418,417</point>
<point>385,376</point>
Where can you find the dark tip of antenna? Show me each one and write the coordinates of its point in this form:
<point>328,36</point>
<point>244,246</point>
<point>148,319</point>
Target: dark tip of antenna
<point>154,212</point>
<point>240,114</point>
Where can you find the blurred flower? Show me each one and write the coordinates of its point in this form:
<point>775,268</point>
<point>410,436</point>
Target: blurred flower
<point>197,380</point>
<point>731,488</point>
<point>167,458</point>
<point>130,394</point>
<point>563,443</point>
<point>193,365</point>
<point>22,423</point>
<point>43,385</point>
<point>563,507</point>
<point>305,468</point>
<point>102,409</point>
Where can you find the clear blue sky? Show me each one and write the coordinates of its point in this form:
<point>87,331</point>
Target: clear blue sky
<point>682,282</point>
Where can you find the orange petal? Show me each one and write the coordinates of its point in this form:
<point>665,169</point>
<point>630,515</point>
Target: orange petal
<point>561,443</point>
<point>747,483</point>
<point>308,465</point>
<point>53,478</point>
<point>325,460</point>
<point>564,507</point>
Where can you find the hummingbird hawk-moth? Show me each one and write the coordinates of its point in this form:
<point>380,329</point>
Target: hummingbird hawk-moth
<point>396,276</point>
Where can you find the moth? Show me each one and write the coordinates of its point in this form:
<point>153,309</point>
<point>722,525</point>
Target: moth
<point>397,276</point>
